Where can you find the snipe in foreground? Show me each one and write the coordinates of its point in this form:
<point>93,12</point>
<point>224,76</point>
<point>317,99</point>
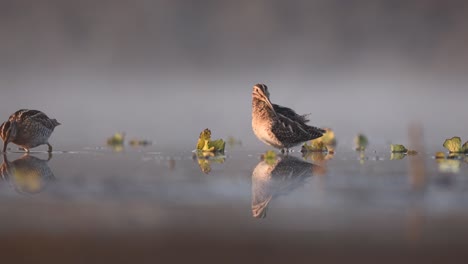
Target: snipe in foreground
<point>27,129</point>
<point>279,126</point>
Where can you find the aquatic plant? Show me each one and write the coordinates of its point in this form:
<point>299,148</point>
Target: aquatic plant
<point>326,143</point>
<point>360,142</point>
<point>269,157</point>
<point>139,142</point>
<point>205,144</point>
<point>397,148</point>
<point>453,145</point>
<point>116,139</point>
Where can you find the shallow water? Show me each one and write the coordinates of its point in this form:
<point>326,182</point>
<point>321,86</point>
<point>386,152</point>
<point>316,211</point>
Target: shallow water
<point>169,198</point>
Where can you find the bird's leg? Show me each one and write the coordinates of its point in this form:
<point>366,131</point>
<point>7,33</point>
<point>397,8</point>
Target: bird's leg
<point>49,156</point>
<point>5,146</point>
<point>50,147</point>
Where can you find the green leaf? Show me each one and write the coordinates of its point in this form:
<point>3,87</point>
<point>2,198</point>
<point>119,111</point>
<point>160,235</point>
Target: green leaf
<point>361,142</point>
<point>315,146</point>
<point>218,145</point>
<point>453,145</point>
<point>465,147</point>
<point>439,155</point>
<point>205,143</point>
<point>116,139</point>
<point>397,148</point>
<point>269,157</point>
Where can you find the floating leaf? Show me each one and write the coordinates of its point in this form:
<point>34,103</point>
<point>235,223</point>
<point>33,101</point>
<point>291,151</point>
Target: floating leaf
<point>439,155</point>
<point>453,145</point>
<point>465,147</point>
<point>315,146</point>
<point>397,148</point>
<point>325,143</point>
<point>329,139</point>
<point>361,142</point>
<point>137,142</point>
<point>116,139</point>
<point>207,145</point>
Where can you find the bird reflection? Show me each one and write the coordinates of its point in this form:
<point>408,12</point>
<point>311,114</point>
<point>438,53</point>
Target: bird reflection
<point>27,174</point>
<point>273,178</point>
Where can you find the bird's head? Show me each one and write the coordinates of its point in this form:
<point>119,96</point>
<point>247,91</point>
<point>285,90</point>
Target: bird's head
<point>260,92</point>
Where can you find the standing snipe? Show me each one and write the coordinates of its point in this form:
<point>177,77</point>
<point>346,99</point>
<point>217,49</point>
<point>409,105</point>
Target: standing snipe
<point>27,129</point>
<point>279,126</point>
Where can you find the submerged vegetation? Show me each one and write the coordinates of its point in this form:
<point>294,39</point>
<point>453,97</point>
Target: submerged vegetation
<point>205,144</point>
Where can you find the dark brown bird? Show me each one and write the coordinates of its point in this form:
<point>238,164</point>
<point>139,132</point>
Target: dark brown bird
<point>279,126</point>
<point>27,129</point>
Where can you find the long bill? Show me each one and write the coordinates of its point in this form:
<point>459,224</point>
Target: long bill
<point>265,99</point>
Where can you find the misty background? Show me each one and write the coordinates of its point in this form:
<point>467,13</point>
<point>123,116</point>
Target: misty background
<point>165,70</point>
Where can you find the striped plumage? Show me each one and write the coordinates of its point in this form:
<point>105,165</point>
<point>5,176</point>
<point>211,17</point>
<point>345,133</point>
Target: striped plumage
<point>276,125</point>
<point>270,180</point>
<point>27,129</point>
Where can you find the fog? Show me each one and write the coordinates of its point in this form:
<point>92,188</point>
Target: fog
<point>165,70</point>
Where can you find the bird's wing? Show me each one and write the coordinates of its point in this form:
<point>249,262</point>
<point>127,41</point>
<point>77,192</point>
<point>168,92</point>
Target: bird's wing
<point>289,113</point>
<point>36,115</point>
<point>289,125</point>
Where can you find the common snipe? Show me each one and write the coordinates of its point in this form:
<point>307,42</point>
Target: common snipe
<point>27,129</point>
<point>279,126</point>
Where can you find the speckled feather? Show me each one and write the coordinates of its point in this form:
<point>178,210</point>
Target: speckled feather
<point>277,125</point>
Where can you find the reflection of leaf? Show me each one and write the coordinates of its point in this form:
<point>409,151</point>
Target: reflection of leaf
<point>205,143</point>
<point>205,159</point>
<point>361,142</point>
<point>397,148</point>
<point>453,144</point>
<point>449,165</point>
<point>318,157</point>
<point>397,155</point>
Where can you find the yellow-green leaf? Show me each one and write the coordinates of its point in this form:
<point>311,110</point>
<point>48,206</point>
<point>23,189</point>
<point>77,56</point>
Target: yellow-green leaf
<point>205,143</point>
<point>439,155</point>
<point>218,145</point>
<point>397,148</point>
<point>269,157</point>
<point>361,142</point>
<point>453,144</point>
<point>116,139</point>
<point>315,146</point>
<point>465,147</point>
